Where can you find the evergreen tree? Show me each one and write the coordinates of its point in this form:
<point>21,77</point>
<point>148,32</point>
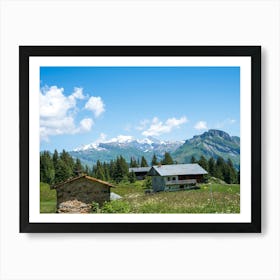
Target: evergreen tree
<point>193,159</point>
<point>62,172</point>
<point>78,168</point>
<point>203,163</point>
<point>133,162</point>
<point>47,172</point>
<point>167,159</point>
<point>132,177</point>
<point>68,160</point>
<point>144,162</point>
<point>86,171</point>
<point>112,169</point>
<point>230,175</point>
<point>99,172</point>
<point>121,170</point>
<point>154,160</point>
<point>212,166</point>
<point>220,168</point>
<point>106,171</point>
<point>55,159</point>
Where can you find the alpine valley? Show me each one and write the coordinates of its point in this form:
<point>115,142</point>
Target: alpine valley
<point>213,143</point>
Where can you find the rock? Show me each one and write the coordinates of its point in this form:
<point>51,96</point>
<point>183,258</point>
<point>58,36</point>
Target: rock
<point>74,207</point>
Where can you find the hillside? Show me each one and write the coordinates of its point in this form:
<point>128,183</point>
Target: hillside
<point>213,143</point>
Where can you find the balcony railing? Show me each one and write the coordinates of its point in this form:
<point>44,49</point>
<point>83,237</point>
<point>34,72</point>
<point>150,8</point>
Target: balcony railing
<point>180,182</point>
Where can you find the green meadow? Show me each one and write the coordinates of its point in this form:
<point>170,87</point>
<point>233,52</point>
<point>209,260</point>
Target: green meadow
<point>209,198</point>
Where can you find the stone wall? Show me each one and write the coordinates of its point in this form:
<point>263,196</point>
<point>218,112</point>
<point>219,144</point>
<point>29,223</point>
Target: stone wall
<point>83,190</point>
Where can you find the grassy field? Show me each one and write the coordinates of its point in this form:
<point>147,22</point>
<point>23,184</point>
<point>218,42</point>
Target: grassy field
<point>47,199</point>
<point>210,198</point>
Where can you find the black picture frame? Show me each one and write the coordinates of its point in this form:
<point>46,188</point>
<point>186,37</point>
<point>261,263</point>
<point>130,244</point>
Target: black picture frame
<point>254,52</point>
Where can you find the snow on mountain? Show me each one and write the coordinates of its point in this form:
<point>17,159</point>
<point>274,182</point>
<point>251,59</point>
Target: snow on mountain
<point>146,144</point>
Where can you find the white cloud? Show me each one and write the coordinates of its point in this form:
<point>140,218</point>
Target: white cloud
<point>96,105</point>
<point>225,123</point>
<point>158,127</point>
<point>78,93</point>
<point>201,125</point>
<point>85,125</point>
<point>102,137</point>
<point>57,112</point>
<point>143,124</point>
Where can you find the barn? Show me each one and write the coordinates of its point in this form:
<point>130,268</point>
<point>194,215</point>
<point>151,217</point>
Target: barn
<point>140,172</point>
<point>81,190</point>
<point>176,176</point>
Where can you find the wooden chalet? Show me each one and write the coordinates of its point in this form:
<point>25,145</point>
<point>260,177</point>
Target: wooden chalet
<point>176,176</point>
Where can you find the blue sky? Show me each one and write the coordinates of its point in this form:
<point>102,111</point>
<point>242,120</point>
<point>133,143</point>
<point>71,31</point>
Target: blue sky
<point>81,105</point>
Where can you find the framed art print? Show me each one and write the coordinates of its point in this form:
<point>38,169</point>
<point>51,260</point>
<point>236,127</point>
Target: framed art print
<point>140,138</point>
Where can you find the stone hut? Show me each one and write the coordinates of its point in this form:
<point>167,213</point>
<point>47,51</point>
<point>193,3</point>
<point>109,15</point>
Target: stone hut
<point>77,194</point>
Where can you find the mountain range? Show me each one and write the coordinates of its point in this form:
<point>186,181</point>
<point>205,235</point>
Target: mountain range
<point>212,143</point>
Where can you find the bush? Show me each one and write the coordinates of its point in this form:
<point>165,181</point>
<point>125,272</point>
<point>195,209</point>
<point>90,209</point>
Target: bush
<point>94,207</point>
<point>116,206</point>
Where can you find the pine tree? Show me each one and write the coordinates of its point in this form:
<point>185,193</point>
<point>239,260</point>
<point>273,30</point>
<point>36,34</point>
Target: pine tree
<point>112,169</point>
<point>193,159</point>
<point>47,172</point>
<point>106,171</point>
<point>212,166</point>
<point>133,162</point>
<point>220,168</point>
<point>99,172</point>
<point>203,163</point>
<point>55,159</point>
<point>86,171</point>
<point>154,160</point>
<point>144,162</point>
<point>167,159</point>
<point>230,173</point>
<point>68,160</point>
<point>63,171</point>
<point>132,177</point>
<point>78,168</point>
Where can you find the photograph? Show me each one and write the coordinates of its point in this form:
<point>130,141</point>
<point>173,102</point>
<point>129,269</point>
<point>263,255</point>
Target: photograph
<point>140,139</point>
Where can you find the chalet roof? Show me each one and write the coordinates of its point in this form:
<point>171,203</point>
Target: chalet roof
<point>139,169</point>
<point>79,177</point>
<point>179,169</point>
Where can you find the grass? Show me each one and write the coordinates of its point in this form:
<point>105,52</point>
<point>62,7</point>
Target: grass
<point>47,199</point>
<point>210,198</point>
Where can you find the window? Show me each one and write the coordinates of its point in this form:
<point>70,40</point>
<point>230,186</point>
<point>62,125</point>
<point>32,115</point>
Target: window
<point>174,178</point>
<point>168,178</point>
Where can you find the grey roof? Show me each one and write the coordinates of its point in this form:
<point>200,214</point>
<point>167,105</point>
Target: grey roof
<point>114,196</point>
<point>139,169</point>
<point>180,169</point>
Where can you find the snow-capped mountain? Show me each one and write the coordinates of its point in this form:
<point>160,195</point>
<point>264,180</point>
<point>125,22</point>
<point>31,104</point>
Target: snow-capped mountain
<point>127,146</point>
<point>213,143</point>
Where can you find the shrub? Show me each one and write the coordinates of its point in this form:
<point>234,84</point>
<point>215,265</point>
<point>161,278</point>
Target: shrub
<point>94,207</point>
<point>116,206</point>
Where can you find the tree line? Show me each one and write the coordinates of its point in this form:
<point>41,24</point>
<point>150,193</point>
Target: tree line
<point>56,168</point>
<point>219,168</point>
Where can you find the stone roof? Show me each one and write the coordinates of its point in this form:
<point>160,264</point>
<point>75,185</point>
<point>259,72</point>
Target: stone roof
<point>79,177</point>
<point>179,169</point>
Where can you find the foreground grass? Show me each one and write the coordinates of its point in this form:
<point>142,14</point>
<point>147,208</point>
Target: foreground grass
<point>214,198</point>
<point>47,199</point>
<point>210,198</point>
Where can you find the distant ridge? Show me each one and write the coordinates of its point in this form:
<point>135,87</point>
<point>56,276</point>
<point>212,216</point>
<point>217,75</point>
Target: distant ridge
<point>212,143</point>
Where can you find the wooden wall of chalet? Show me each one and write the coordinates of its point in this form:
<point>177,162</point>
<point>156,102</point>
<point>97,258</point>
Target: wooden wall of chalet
<point>198,177</point>
<point>83,190</point>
